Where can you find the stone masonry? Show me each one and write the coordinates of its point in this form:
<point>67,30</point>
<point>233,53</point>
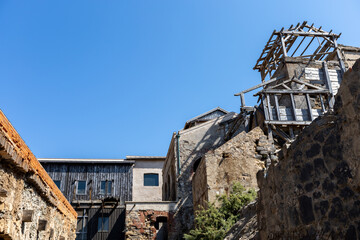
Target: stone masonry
<point>313,191</point>
<point>31,206</point>
<point>149,220</point>
<point>237,160</point>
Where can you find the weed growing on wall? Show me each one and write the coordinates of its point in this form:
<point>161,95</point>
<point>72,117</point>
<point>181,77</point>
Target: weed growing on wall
<point>212,223</point>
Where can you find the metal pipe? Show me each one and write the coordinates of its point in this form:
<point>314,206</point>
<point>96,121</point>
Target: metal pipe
<point>178,152</point>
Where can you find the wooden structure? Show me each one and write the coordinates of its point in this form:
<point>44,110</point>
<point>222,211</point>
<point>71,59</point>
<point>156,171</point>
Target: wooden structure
<point>97,189</point>
<point>303,81</point>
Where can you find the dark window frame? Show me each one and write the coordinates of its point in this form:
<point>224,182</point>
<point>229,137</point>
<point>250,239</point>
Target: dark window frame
<point>147,179</point>
<point>77,187</point>
<point>108,187</point>
<point>103,224</point>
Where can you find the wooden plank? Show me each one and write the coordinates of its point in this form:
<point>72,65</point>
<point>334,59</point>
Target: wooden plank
<point>293,106</point>
<point>322,103</point>
<point>283,45</point>
<point>260,85</point>
<point>291,131</point>
<point>286,91</point>
<point>266,112</point>
<point>269,106</point>
<point>277,107</point>
<point>307,34</point>
<point>309,107</point>
<point>294,123</point>
<point>328,83</point>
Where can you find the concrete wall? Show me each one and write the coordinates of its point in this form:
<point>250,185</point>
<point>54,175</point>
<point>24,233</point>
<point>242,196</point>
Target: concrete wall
<point>147,193</point>
<point>313,192</point>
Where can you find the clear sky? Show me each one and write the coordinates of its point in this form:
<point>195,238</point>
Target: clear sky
<point>105,79</point>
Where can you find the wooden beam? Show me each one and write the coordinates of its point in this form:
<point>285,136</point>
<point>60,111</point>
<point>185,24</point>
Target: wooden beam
<point>309,107</point>
<point>307,34</point>
<point>277,107</point>
<point>294,123</point>
<point>283,45</point>
<point>269,107</point>
<point>259,85</point>
<point>322,103</point>
<point>297,91</point>
<point>293,106</point>
<point>342,65</point>
<point>328,83</point>
<point>266,112</point>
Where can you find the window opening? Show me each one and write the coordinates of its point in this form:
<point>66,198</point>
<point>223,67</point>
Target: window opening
<point>57,183</point>
<point>81,229</point>
<point>105,187</point>
<point>81,188</point>
<point>151,179</point>
<point>103,224</point>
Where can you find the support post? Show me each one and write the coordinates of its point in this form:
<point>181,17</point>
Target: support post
<point>328,83</point>
<point>342,65</point>
<point>309,107</point>
<point>293,106</point>
<point>277,107</point>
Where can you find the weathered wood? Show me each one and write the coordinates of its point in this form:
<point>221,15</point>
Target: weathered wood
<point>322,103</point>
<point>291,131</point>
<point>283,45</point>
<point>259,85</point>
<point>296,123</point>
<point>266,111</point>
<point>328,83</point>
<point>309,107</point>
<point>307,34</point>
<point>277,107</point>
<point>269,107</point>
<point>342,65</point>
<point>242,100</point>
<point>293,105</point>
<point>286,91</point>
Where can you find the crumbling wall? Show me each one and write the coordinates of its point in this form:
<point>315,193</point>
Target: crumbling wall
<point>313,192</point>
<point>237,160</point>
<point>31,206</point>
<point>150,220</point>
<point>19,200</point>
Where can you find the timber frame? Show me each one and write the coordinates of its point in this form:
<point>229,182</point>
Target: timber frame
<point>293,98</point>
<point>282,44</point>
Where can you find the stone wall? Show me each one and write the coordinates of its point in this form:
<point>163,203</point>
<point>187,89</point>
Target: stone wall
<point>151,220</point>
<point>313,192</point>
<point>31,206</point>
<point>237,160</point>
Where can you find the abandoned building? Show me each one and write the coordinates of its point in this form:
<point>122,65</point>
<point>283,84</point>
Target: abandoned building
<point>31,206</point>
<point>111,196</point>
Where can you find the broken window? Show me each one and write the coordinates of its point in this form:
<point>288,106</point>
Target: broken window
<point>151,179</point>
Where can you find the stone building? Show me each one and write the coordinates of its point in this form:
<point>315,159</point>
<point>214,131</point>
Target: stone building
<point>31,205</point>
<point>200,134</point>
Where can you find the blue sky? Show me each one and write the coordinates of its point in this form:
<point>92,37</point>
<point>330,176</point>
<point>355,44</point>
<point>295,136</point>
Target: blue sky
<point>105,79</point>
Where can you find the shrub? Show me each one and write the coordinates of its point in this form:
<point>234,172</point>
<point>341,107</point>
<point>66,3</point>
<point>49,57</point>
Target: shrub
<point>212,223</point>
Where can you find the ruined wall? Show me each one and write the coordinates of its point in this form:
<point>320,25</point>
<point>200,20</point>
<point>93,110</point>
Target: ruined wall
<point>193,143</point>
<point>152,220</point>
<point>237,160</point>
<point>313,192</point>
<point>31,206</point>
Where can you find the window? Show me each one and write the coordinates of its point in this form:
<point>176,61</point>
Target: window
<point>103,224</point>
<point>105,187</point>
<point>151,179</point>
<point>81,229</point>
<point>57,183</point>
<point>81,188</point>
